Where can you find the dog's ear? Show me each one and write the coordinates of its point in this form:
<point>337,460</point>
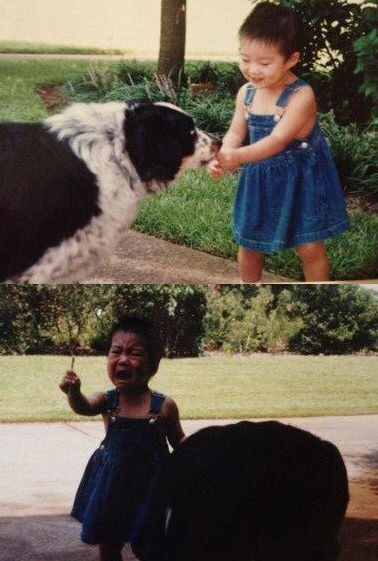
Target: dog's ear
<point>132,104</point>
<point>151,142</point>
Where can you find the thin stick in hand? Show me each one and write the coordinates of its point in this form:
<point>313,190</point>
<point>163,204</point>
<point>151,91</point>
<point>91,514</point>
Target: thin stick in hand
<point>72,362</point>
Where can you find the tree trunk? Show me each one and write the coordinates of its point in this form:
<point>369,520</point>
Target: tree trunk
<point>172,38</point>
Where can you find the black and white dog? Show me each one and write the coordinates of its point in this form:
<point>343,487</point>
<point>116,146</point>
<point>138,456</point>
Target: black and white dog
<point>70,186</point>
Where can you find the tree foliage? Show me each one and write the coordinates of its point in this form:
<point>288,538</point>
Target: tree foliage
<point>177,310</point>
<point>366,49</point>
<point>77,318</point>
<point>338,319</point>
<point>309,319</point>
<point>250,320</point>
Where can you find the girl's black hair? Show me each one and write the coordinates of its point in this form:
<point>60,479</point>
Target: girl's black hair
<point>146,329</point>
<point>274,24</point>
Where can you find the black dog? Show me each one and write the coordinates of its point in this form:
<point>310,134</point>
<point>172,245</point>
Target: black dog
<point>255,492</point>
<point>70,186</point>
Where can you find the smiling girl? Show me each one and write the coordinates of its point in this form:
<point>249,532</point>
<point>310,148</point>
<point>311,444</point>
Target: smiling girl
<point>289,193</point>
<point>120,498</point>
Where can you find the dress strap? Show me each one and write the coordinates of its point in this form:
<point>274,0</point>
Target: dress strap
<point>156,403</point>
<point>249,94</point>
<point>289,90</point>
<point>111,402</point>
<point>248,99</point>
<point>111,399</point>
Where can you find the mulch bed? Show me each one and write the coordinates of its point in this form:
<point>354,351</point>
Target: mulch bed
<point>52,98</point>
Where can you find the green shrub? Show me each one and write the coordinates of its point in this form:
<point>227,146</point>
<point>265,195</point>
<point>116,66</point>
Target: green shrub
<point>337,320</point>
<point>355,153</point>
<point>177,310</point>
<point>132,71</point>
<point>366,49</point>
<point>212,112</point>
<point>225,76</point>
<point>260,322</point>
<point>92,85</point>
<point>328,58</point>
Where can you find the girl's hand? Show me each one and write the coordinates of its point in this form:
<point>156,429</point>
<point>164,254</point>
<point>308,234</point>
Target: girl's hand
<point>229,158</point>
<point>214,169</point>
<point>70,381</point>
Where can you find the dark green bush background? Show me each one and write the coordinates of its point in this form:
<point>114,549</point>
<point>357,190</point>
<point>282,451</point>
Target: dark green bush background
<point>308,319</point>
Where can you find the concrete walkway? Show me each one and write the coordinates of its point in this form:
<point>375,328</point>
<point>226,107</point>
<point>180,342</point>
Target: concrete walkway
<point>146,259</point>
<point>41,464</point>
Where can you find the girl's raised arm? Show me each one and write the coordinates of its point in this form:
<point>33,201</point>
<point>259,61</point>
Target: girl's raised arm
<point>90,406</point>
<point>237,133</point>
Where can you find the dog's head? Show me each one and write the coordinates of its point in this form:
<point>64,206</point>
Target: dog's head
<point>162,141</point>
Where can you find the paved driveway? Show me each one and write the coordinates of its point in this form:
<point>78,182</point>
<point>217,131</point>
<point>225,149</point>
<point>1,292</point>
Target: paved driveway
<point>41,464</point>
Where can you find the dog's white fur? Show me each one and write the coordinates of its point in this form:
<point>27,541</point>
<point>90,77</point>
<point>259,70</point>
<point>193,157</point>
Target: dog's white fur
<point>95,134</point>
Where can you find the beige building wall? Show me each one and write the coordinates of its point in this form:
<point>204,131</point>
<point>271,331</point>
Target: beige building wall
<point>127,24</point>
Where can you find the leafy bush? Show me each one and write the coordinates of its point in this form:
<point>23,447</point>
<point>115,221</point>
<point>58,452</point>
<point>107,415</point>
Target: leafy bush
<point>366,49</point>
<point>329,59</point>
<point>310,319</point>
<point>21,330</point>
<point>92,85</point>
<point>337,320</point>
<point>133,71</point>
<point>44,319</point>
<point>355,153</point>
<point>177,310</point>
<point>61,319</point>
<point>212,113</point>
<point>225,76</point>
<point>260,322</point>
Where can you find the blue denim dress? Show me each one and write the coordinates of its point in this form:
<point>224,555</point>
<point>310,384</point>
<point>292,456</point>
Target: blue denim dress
<point>122,481</point>
<point>292,198</point>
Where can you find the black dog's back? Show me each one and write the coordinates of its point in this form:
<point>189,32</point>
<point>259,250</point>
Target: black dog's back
<point>262,491</point>
<point>46,194</point>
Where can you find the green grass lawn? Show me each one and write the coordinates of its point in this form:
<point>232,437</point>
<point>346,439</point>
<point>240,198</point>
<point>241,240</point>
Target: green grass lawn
<point>42,48</point>
<point>20,80</point>
<point>208,387</point>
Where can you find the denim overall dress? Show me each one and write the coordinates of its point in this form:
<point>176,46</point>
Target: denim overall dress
<point>122,479</point>
<point>292,198</point>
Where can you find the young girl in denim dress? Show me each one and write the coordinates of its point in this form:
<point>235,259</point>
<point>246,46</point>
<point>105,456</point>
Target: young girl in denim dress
<point>289,194</point>
<point>121,495</point>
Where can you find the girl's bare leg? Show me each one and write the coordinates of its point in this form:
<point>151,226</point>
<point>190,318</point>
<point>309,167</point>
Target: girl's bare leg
<point>110,552</point>
<point>314,260</point>
<point>250,264</point>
